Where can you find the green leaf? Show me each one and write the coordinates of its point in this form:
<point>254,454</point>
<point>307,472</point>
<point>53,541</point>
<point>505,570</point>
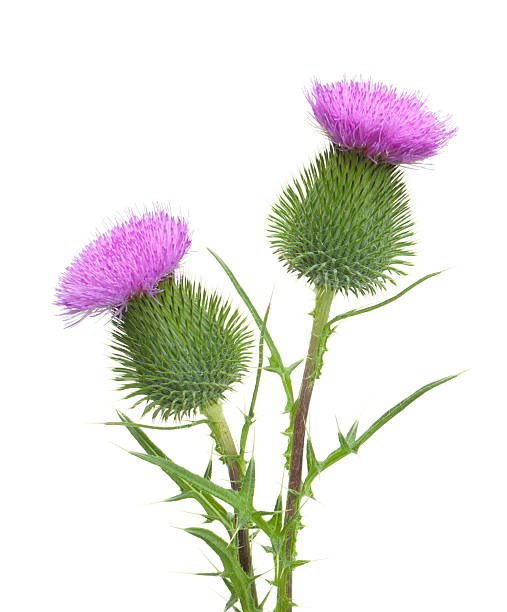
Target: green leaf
<point>248,303</point>
<point>343,442</point>
<point>210,505</point>
<point>312,464</point>
<point>358,311</point>
<point>351,435</point>
<point>209,470</point>
<point>346,445</point>
<point>248,486</point>
<point>276,361</point>
<point>192,480</point>
<point>232,600</point>
<point>131,425</point>
<point>276,521</point>
<point>293,366</point>
<point>390,414</point>
<point>249,418</point>
<point>232,569</point>
<point>263,602</point>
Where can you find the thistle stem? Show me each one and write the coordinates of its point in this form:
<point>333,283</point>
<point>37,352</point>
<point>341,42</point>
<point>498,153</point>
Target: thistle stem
<point>227,449</point>
<point>323,301</point>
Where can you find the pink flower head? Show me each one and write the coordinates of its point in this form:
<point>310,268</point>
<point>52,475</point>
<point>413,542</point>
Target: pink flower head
<point>127,260</point>
<point>375,119</point>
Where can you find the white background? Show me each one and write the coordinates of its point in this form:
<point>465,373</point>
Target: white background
<point>108,105</point>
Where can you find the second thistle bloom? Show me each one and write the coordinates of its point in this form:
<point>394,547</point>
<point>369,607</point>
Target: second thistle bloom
<point>128,260</point>
<point>181,353</point>
<point>378,121</point>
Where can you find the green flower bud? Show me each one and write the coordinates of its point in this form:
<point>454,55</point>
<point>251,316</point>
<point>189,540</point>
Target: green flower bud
<point>345,224</point>
<point>181,350</point>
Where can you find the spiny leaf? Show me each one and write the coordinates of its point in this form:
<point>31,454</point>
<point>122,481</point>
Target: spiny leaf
<point>293,366</point>
<point>358,311</point>
<point>193,480</point>
<point>209,470</point>
<point>351,435</point>
<point>390,414</point>
<point>276,521</point>
<point>346,449</point>
<point>275,354</point>
<point>321,350</point>
<point>311,460</point>
<point>230,603</point>
<point>248,303</point>
<point>232,569</point>
<point>210,505</point>
<point>248,486</point>
<point>263,602</point>
<point>143,426</point>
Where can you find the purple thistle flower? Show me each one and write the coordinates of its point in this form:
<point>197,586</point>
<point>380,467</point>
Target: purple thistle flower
<point>375,119</point>
<point>129,259</point>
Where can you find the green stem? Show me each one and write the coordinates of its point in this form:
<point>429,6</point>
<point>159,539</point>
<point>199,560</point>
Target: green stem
<point>227,449</point>
<point>323,301</point>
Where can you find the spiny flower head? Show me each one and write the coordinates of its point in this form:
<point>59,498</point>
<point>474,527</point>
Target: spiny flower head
<point>377,120</point>
<point>129,259</point>
<point>182,352</point>
<point>344,224</point>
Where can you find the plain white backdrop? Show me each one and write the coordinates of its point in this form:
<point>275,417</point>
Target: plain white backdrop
<point>107,105</point>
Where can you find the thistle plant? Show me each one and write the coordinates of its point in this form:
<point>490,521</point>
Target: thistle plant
<point>180,349</point>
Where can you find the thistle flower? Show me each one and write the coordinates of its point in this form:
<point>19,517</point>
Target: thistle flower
<point>129,259</point>
<point>345,224</point>
<point>377,120</point>
<point>182,352</point>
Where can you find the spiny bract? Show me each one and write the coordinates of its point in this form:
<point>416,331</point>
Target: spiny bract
<point>345,225</point>
<point>180,351</point>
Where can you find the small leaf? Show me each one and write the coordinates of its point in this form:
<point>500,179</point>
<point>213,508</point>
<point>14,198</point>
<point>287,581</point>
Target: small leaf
<point>261,605</point>
<point>311,460</point>
<point>343,441</point>
<point>248,486</point>
<point>351,436</point>
<point>230,604</point>
<point>293,366</point>
<point>276,521</point>
<point>179,497</point>
<point>297,563</point>
<point>274,366</point>
<point>209,470</point>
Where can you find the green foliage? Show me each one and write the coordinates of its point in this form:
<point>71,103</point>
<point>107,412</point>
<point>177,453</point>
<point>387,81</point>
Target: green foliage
<point>181,350</point>
<point>234,577</point>
<point>214,511</point>
<point>275,360</point>
<point>351,443</point>
<point>345,224</point>
<point>184,321</point>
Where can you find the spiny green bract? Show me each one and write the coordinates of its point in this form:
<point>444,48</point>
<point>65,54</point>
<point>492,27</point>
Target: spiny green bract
<point>181,350</point>
<point>345,224</point>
